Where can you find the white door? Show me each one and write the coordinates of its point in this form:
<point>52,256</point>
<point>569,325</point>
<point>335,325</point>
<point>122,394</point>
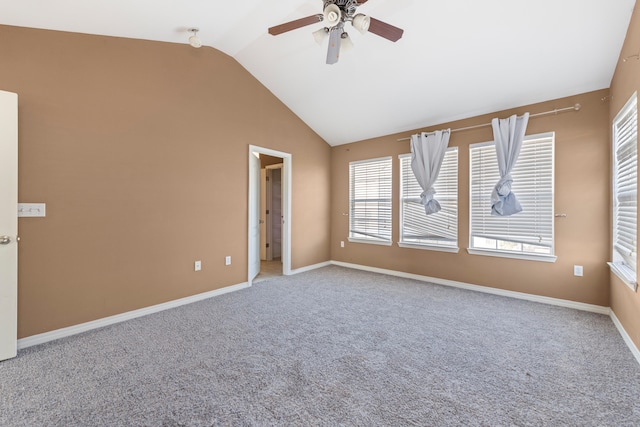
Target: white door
<point>8,224</point>
<point>254,215</point>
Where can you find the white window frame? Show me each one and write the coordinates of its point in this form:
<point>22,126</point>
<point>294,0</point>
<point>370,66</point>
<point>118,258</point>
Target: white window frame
<point>625,134</point>
<point>531,256</point>
<point>450,203</point>
<point>385,204</point>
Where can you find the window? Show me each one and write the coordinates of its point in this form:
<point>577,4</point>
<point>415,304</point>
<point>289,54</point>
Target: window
<point>370,201</point>
<point>528,234</point>
<point>625,192</point>
<point>438,230</point>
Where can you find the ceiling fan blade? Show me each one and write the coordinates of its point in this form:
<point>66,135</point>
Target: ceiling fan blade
<point>385,30</point>
<point>333,53</point>
<point>361,2</point>
<point>293,25</point>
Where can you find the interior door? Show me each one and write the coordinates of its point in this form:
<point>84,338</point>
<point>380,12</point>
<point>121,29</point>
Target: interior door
<point>254,215</point>
<point>263,213</point>
<point>8,224</point>
<point>267,242</point>
<point>276,209</point>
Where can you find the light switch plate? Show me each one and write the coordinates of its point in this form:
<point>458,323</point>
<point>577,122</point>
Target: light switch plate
<point>31,210</point>
<point>577,270</point>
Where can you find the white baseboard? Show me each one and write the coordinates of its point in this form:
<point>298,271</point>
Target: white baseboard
<point>625,336</point>
<point>106,321</point>
<point>309,268</point>
<point>512,294</point>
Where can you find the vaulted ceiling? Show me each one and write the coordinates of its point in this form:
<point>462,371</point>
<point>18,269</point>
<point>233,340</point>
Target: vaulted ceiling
<point>457,58</point>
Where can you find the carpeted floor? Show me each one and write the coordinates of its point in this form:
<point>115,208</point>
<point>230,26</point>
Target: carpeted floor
<point>333,347</point>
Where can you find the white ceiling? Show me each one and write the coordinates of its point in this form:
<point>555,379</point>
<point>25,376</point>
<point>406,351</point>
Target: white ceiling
<point>457,59</point>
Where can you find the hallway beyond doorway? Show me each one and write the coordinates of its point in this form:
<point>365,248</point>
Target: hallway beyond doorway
<point>269,269</point>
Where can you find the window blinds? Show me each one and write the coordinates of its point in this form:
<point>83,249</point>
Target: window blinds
<point>440,228</point>
<point>625,176</point>
<point>370,200</point>
<point>532,182</point>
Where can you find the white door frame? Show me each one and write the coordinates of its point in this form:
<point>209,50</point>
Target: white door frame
<point>254,197</point>
<point>8,225</point>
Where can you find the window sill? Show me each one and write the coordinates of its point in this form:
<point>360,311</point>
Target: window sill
<point>449,249</point>
<point>625,274</point>
<point>371,242</point>
<point>527,257</point>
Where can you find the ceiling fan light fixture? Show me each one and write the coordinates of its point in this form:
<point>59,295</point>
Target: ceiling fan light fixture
<point>332,15</point>
<point>194,40</point>
<point>361,23</point>
<point>345,42</point>
<point>321,35</point>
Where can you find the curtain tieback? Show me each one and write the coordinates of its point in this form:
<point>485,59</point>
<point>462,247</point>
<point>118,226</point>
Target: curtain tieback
<point>503,187</point>
<point>430,204</point>
<point>503,201</point>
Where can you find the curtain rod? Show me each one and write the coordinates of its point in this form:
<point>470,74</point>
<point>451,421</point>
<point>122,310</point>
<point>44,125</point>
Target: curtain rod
<point>556,111</point>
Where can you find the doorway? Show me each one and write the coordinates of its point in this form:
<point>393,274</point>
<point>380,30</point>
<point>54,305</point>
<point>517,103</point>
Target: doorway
<point>270,217</point>
<point>269,233</point>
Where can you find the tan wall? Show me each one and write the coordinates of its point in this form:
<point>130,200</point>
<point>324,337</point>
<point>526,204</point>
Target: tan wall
<point>140,151</point>
<point>624,302</point>
<point>581,192</point>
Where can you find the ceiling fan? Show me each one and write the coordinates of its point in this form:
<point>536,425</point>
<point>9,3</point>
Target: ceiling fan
<point>336,13</point>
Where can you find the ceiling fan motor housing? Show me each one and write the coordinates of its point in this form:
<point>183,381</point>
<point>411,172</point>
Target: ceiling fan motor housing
<point>344,9</point>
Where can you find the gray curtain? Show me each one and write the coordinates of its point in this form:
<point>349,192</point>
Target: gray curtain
<point>427,153</point>
<point>508,135</point>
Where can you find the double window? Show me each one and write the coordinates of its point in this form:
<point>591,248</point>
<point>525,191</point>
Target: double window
<point>438,230</point>
<point>625,192</point>
<point>528,234</point>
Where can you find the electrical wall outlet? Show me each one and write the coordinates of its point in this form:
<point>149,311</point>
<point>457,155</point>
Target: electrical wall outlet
<point>227,260</point>
<point>577,270</point>
<point>197,266</point>
<point>342,243</point>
